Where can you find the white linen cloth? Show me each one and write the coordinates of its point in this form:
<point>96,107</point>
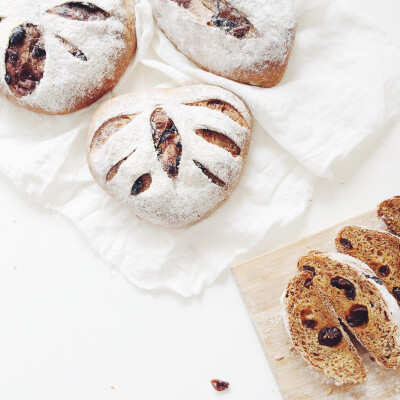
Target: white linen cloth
<point>340,88</point>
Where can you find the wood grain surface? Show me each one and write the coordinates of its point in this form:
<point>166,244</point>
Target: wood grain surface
<point>262,281</point>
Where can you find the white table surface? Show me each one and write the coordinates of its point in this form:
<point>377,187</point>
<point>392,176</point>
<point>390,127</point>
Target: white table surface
<point>70,328</point>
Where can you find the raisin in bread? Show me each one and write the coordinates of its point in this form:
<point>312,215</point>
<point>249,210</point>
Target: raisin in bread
<point>246,41</point>
<point>360,300</point>
<point>316,332</point>
<point>379,250</point>
<point>389,213</point>
<point>63,56</point>
<point>172,155</point>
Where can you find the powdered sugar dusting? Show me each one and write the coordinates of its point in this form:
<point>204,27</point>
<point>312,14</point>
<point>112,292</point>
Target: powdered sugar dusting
<point>273,19</point>
<point>186,199</point>
<point>356,264</point>
<point>68,80</point>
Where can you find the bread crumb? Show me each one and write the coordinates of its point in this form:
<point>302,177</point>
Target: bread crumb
<point>278,357</point>
<point>327,391</point>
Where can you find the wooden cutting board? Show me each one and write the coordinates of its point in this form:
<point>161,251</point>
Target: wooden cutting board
<point>261,282</point>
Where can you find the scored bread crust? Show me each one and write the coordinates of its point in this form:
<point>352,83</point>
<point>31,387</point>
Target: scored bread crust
<point>302,303</point>
<point>68,83</point>
<point>260,58</point>
<point>389,213</point>
<point>380,335</point>
<point>378,249</point>
<point>192,194</point>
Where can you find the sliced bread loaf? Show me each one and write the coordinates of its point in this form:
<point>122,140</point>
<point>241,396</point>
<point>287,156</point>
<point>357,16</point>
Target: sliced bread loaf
<point>379,250</point>
<point>389,213</point>
<point>316,333</point>
<point>361,302</point>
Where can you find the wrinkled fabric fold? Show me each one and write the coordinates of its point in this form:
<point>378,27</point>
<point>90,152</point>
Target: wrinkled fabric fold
<point>336,93</point>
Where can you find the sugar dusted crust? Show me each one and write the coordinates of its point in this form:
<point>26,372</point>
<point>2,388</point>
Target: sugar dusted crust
<point>358,265</point>
<point>85,47</point>
<point>168,171</point>
<point>258,58</point>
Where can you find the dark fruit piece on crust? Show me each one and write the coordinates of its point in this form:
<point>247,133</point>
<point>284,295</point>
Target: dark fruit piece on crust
<point>167,142</point>
<point>80,11</point>
<point>24,69</point>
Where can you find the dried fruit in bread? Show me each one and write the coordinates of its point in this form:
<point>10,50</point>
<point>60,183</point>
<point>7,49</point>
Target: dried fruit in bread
<point>316,332</point>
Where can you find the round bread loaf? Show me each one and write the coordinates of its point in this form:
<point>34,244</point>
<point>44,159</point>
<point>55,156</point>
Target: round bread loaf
<point>60,57</point>
<point>246,41</point>
<point>173,155</point>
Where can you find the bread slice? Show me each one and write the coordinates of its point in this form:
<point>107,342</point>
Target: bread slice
<point>316,333</point>
<point>360,300</point>
<point>389,213</point>
<point>379,250</point>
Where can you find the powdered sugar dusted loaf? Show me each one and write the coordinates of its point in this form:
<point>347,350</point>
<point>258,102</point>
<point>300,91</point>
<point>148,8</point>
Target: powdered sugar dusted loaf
<point>247,41</point>
<point>173,155</point>
<point>62,56</point>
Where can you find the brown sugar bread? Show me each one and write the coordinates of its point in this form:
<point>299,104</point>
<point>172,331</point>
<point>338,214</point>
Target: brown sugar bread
<point>316,332</point>
<point>389,213</point>
<point>63,56</point>
<point>379,250</point>
<point>360,300</point>
<point>246,41</point>
<point>172,155</point>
